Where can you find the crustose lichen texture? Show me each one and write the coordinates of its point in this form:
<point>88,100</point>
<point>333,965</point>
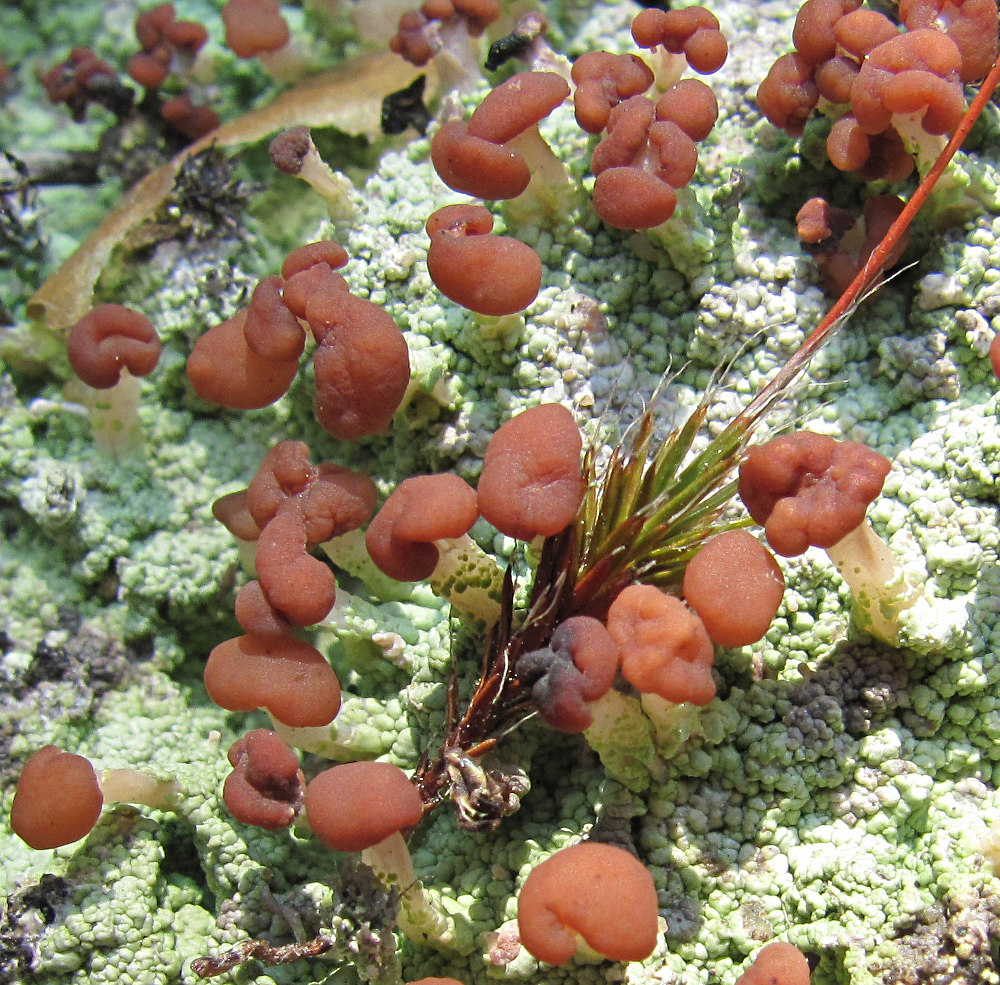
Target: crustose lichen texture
<point>838,792</point>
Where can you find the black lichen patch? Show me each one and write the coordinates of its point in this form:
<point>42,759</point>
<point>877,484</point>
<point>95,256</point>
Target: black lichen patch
<point>24,915</point>
<point>855,690</point>
<point>69,674</point>
<point>181,863</point>
<point>98,663</point>
<point>22,248</point>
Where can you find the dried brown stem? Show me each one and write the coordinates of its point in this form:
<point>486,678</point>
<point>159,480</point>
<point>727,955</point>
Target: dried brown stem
<point>499,701</point>
<point>268,954</point>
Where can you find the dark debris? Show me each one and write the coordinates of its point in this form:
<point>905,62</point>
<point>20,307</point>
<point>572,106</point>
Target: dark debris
<point>953,943</point>
<point>22,248</point>
<point>405,108</point>
<point>504,49</point>
<point>359,928</point>
<point>207,200</point>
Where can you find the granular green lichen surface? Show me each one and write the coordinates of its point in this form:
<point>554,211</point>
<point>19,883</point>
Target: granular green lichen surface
<point>838,793</point>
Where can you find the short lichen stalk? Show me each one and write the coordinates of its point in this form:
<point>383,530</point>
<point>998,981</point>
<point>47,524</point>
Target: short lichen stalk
<point>468,578</point>
<point>879,591</point>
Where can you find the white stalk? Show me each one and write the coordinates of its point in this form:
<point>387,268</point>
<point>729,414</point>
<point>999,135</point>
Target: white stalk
<point>877,585</point>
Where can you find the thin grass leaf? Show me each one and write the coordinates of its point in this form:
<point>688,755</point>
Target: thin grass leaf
<point>681,499</point>
<point>708,510</point>
<point>675,449</point>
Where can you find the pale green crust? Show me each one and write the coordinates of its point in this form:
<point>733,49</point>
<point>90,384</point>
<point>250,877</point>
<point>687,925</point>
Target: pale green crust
<point>838,793</point>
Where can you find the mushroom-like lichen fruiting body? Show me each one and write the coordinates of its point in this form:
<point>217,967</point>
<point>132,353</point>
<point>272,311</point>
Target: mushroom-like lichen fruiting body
<point>265,787</point>
<point>532,483</point>
<point>664,647</point>
<point>490,275</point>
<point>287,676</point>
<point>421,510</point>
<point>809,489</point>
<point>735,586</point>
<point>596,892</point>
<point>109,339</point>
<point>223,369</point>
<point>357,805</point>
<point>58,799</point>
<point>361,364</point>
<point>576,668</point>
<point>777,963</point>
